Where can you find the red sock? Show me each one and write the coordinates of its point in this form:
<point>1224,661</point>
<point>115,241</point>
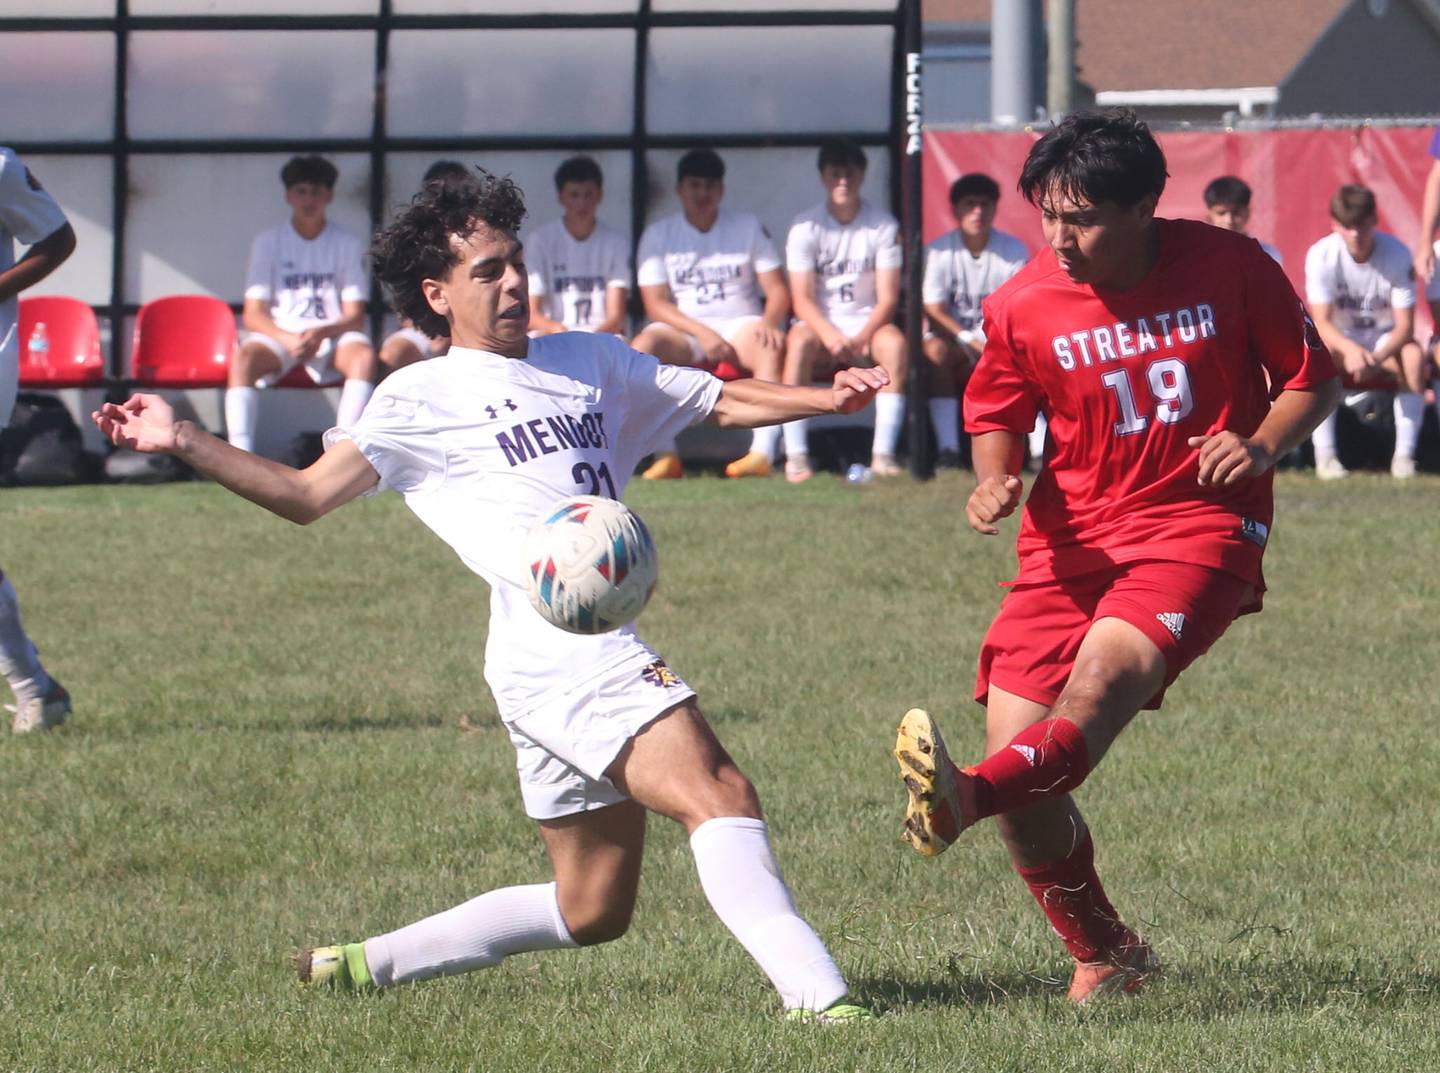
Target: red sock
<point>1070,893</point>
<point>1044,760</point>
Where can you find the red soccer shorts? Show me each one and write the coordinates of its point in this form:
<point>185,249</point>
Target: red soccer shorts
<point>1183,609</point>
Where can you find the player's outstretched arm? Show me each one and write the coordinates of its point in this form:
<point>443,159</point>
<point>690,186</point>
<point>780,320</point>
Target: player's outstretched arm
<point>998,456</point>
<point>38,262</point>
<point>1227,457</point>
<point>146,423</point>
<point>752,403</point>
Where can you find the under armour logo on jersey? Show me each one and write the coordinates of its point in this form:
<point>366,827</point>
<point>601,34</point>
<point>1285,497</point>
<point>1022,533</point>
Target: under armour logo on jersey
<point>494,412</point>
<point>1174,621</point>
<point>1027,751</point>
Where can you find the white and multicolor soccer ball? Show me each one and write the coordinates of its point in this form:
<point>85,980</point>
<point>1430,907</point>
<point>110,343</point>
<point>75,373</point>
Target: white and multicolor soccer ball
<point>591,565</point>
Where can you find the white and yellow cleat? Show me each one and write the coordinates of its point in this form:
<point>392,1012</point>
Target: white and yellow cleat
<point>840,1013</point>
<point>335,966</point>
<point>936,810</point>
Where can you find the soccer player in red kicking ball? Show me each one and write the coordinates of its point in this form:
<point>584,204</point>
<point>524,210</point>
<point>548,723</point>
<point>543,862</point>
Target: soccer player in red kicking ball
<point>1174,364</point>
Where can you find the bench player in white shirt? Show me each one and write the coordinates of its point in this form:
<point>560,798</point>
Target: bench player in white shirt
<point>1360,289</point>
<point>481,443</point>
<point>1227,206</point>
<point>714,291</point>
<point>30,215</point>
<point>407,344</point>
<point>962,267</point>
<point>305,297</point>
<point>579,268</point>
<point>844,261</point>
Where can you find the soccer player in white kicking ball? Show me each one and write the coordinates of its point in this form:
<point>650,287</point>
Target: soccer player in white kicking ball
<point>844,260</point>
<point>31,215</point>
<point>579,268</point>
<point>305,297</point>
<point>714,293</point>
<point>481,442</point>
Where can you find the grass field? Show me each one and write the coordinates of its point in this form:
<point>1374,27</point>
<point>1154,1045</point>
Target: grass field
<point>282,736</point>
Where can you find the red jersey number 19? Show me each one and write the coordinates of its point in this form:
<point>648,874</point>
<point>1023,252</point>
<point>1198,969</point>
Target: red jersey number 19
<point>1169,383</point>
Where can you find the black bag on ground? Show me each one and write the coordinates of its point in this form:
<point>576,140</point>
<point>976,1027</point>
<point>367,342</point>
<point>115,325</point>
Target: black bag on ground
<point>42,445</point>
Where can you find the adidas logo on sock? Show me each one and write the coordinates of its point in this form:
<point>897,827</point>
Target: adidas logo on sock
<point>1027,751</point>
<point>1174,621</point>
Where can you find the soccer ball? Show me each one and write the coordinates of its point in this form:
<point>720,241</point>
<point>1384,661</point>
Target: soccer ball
<point>591,565</point>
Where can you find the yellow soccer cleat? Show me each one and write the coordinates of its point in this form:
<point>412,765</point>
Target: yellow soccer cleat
<point>941,799</point>
<point>753,464</point>
<point>666,467</point>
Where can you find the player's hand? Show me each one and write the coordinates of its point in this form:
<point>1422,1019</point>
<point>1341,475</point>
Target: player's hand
<point>1425,261</point>
<point>143,423</point>
<point>307,343</point>
<point>769,337</point>
<point>1358,361</point>
<point>859,345</point>
<point>994,498</point>
<point>854,388</point>
<point>1228,458</point>
<point>716,349</point>
<point>837,346</point>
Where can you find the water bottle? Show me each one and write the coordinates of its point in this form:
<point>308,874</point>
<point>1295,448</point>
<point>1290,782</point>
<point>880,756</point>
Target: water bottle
<point>857,474</point>
<point>39,345</point>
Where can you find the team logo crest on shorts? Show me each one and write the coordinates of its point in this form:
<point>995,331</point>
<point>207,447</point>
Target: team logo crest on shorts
<point>658,674</point>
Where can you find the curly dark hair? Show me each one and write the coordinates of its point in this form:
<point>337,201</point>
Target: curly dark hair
<point>416,246</point>
<point>1095,156</point>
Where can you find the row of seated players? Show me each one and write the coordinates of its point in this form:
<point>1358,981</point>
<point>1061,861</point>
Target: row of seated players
<point>715,292</point>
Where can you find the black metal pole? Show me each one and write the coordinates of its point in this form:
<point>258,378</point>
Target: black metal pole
<point>120,193</point>
<point>639,143</point>
<point>912,156</point>
<point>378,130</point>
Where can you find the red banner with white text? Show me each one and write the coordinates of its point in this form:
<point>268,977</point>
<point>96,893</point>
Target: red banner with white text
<point>1292,173</point>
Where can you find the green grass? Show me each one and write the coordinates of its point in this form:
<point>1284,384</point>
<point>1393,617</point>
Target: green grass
<point>283,736</point>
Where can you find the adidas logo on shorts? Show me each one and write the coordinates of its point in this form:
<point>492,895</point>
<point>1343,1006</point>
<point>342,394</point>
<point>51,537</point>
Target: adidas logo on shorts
<point>1174,621</point>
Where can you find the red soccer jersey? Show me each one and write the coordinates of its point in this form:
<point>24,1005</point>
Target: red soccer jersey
<point>1124,379</point>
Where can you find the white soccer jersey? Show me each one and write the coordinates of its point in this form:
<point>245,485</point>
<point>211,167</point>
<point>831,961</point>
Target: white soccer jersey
<point>960,281</point>
<point>305,280</point>
<point>1362,297</point>
<point>1432,289</point>
<point>844,257</point>
<point>711,274</point>
<point>27,214</point>
<point>482,446</point>
<point>573,275</point>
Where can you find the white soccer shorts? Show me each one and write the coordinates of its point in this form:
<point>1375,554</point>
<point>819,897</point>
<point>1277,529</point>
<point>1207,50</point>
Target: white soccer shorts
<point>564,744</point>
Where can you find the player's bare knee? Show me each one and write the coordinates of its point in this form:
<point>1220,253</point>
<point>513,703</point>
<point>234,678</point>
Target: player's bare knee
<point>602,923</point>
<point>249,363</point>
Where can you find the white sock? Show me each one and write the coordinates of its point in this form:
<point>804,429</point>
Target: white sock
<point>242,406</point>
<point>353,397</point>
<point>764,440</point>
<point>945,420</point>
<point>1324,439</point>
<point>19,662</point>
<point>474,935</point>
<point>797,438</point>
<point>889,418</point>
<point>1035,438</point>
<point>742,880</point>
<point>1409,412</point>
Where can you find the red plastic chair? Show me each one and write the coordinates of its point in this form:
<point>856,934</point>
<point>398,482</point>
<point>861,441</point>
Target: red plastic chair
<point>183,341</point>
<point>73,359</point>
